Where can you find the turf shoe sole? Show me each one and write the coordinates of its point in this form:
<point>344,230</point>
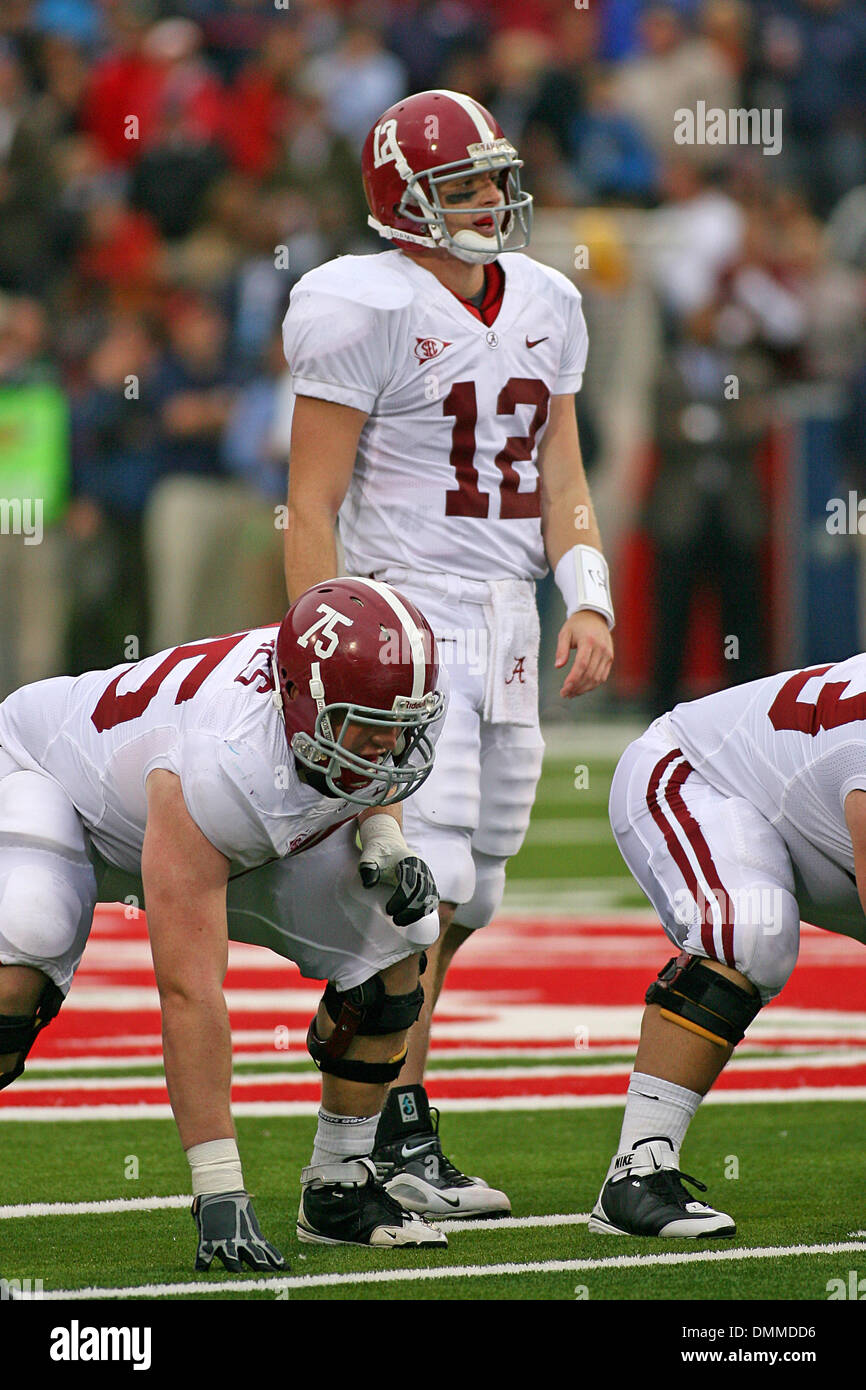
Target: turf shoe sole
<point>344,1204</point>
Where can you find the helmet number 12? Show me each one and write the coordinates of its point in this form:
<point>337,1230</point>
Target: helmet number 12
<point>326,626</point>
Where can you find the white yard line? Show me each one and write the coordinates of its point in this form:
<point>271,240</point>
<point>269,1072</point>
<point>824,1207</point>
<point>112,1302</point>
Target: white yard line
<point>439,1060</point>
<point>123,1204</point>
<point>282,1109</point>
<point>394,1276</point>
<point>853,1057</point>
<point>104,1208</point>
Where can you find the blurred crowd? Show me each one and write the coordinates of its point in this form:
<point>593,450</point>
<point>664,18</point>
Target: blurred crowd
<point>168,171</point>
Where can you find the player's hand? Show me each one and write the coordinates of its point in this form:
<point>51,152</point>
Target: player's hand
<point>415,895</point>
<point>587,634</point>
<point>228,1229</point>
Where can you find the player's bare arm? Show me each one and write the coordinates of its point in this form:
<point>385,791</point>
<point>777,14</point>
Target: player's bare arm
<point>185,879</point>
<point>567,519</point>
<point>323,448</point>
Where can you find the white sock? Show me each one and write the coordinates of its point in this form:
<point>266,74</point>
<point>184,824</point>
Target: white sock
<point>215,1167</point>
<point>657,1107</point>
<point>343,1136</point>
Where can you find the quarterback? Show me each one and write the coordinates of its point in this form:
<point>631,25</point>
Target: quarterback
<point>738,814</point>
<point>225,781</point>
<point>434,420</point>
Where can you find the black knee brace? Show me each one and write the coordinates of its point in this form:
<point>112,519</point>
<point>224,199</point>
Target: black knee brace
<point>18,1032</point>
<point>700,999</point>
<point>370,1012</point>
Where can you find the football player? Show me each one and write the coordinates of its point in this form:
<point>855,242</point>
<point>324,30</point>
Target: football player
<point>738,814</point>
<point>223,783</point>
<point>434,417</point>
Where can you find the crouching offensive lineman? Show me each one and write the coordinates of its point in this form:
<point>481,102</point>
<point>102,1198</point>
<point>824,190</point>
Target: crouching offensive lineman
<point>226,780</point>
<point>737,814</point>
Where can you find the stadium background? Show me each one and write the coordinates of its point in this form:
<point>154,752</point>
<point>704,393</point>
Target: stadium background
<point>167,172</point>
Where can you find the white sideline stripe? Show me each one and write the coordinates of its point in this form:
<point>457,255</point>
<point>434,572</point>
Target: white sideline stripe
<point>123,1204</point>
<point>398,1276</point>
<point>830,1053</point>
<point>286,1109</point>
<point>103,1208</point>
<point>530,1073</point>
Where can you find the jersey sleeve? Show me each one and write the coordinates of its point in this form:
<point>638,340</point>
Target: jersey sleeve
<point>336,348</point>
<point>219,792</point>
<point>847,765</point>
<point>565,301</point>
<point>573,363</point>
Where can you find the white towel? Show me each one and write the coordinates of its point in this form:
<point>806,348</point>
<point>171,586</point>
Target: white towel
<point>511,690</point>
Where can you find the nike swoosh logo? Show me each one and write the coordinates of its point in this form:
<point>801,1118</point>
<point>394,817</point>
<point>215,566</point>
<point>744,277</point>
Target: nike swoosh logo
<point>418,1149</point>
<point>536,342</point>
<point>452,1201</point>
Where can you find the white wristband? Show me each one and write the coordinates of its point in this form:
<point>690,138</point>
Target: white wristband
<point>383,828</point>
<point>215,1167</point>
<point>583,579</point>
<point>382,844</point>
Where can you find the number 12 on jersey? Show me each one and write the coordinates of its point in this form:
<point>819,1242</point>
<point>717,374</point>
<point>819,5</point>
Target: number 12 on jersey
<point>467,499</point>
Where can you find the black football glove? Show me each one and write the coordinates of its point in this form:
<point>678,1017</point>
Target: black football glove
<point>415,894</point>
<point>227,1227</point>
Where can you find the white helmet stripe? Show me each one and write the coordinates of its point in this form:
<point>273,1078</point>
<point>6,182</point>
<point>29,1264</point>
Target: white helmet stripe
<point>411,629</point>
<point>473,110</point>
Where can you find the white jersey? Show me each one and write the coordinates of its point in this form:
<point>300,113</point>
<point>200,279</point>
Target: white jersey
<point>794,745</point>
<point>203,711</point>
<point>446,477</point>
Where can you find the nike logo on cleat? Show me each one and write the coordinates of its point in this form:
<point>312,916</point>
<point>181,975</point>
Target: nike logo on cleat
<point>418,1149</point>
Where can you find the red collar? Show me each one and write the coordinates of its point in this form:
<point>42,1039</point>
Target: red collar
<point>494,289</point>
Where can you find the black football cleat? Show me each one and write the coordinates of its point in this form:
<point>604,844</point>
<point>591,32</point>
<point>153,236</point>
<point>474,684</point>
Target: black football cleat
<point>411,1165</point>
<point>644,1195</point>
<point>344,1204</point>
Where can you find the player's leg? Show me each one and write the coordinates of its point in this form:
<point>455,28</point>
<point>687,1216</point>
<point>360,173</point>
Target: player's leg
<point>47,896</point>
<point>421,1175</point>
<point>721,880</point>
<point>439,957</point>
<point>21,987</point>
<point>314,910</point>
<point>341,1199</point>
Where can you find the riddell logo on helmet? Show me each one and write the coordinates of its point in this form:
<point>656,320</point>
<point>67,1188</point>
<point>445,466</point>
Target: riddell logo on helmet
<point>500,146</point>
<point>425,348</point>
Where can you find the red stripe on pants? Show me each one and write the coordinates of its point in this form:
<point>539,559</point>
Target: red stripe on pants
<point>694,835</point>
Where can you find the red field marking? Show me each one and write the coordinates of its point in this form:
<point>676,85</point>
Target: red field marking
<point>515,987</point>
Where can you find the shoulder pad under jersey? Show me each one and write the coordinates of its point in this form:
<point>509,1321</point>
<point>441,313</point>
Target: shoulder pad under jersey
<point>544,278</point>
<point>374,281</point>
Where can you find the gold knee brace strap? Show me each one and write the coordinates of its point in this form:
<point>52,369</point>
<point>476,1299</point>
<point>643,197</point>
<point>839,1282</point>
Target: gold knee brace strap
<point>694,996</point>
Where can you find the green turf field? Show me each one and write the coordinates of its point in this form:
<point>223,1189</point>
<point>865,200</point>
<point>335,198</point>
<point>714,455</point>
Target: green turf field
<point>550,1163</point>
<point>569,861</point>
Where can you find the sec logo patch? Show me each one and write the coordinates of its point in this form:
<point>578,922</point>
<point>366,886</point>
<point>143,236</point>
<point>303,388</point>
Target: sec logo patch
<point>428,348</point>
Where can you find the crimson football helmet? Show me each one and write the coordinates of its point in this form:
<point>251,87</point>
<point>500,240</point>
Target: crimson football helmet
<point>422,142</point>
<point>349,652</point>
